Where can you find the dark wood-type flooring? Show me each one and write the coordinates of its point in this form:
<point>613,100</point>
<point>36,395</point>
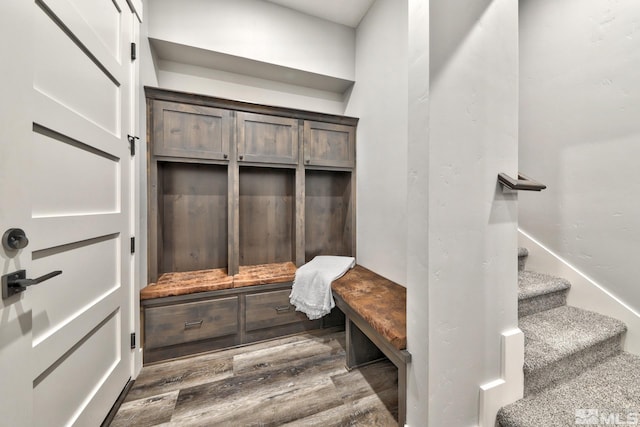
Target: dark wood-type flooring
<point>294,381</point>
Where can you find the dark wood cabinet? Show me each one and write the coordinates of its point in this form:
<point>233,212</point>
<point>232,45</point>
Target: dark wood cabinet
<point>329,144</point>
<point>267,139</point>
<point>178,326</point>
<point>233,184</point>
<point>190,322</point>
<point>191,131</point>
<point>268,309</point>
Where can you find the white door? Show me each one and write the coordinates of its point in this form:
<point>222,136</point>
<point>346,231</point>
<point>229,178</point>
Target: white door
<point>65,179</point>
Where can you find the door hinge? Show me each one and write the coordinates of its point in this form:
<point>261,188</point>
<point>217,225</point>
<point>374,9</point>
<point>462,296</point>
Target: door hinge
<point>133,52</point>
<point>133,340</point>
<point>133,245</point>
<point>132,144</point>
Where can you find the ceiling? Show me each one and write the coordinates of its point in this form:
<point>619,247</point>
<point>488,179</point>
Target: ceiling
<point>346,12</point>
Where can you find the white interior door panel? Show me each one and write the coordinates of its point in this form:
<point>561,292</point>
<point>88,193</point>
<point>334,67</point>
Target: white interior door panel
<point>65,162</point>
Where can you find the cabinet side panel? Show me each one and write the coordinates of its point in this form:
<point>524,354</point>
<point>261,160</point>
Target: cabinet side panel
<point>194,221</point>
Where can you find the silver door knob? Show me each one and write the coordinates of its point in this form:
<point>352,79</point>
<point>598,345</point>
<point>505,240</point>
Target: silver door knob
<point>14,239</point>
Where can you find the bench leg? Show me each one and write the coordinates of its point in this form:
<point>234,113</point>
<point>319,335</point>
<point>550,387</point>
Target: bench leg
<point>402,395</point>
<point>360,349</point>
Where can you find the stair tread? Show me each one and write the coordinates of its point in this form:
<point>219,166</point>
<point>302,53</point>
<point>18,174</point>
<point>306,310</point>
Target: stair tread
<point>560,332</point>
<point>610,387</point>
<point>532,284</point>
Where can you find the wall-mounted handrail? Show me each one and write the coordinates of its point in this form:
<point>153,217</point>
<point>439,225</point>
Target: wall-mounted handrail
<point>522,183</point>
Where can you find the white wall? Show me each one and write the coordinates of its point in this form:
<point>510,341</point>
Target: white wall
<point>257,30</point>
<point>472,225</point>
<point>255,37</point>
<point>379,99</point>
<point>580,133</point>
<point>222,84</point>
<point>436,92</point>
<point>417,206</point>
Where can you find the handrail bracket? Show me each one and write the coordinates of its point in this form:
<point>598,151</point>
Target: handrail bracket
<point>522,183</point>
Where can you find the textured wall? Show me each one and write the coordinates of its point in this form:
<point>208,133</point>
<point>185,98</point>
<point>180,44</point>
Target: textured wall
<point>417,214</point>
<point>379,99</point>
<point>259,38</point>
<point>257,30</point>
<point>580,135</point>
<point>472,225</point>
<point>461,130</point>
<point>206,81</point>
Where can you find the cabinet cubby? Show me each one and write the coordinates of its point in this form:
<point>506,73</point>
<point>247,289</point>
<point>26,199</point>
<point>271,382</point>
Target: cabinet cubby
<point>192,213</point>
<point>328,214</point>
<point>266,215</point>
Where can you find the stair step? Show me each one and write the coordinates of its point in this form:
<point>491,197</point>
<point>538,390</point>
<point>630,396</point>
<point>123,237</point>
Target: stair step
<point>539,292</point>
<point>610,388</point>
<point>523,253</point>
<point>562,342</point>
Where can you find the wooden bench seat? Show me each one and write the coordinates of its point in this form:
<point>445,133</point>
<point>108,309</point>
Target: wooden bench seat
<point>264,274</point>
<point>191,282</point>
<point>371,295</point>
<point>376,323</point>
<point>188,282</point>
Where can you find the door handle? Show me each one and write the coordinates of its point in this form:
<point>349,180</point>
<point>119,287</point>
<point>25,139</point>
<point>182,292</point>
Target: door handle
<point>16,282</point>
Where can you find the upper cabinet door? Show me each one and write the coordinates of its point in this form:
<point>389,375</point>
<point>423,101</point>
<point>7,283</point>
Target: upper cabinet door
<point>267,139</point>
<point>192,131</point>
<point>327,144</point>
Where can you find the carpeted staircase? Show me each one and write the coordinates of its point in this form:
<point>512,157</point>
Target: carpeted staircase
<point>575,371</point>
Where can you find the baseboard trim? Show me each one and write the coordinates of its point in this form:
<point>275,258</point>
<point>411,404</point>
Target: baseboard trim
<point>585,293</point>
<point>510,387</point>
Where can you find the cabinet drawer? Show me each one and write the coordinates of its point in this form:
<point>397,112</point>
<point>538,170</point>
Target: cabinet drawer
<point>181,323</point>
<point>269,309</point>
<point>327,144</point>
<point>267,139</point>
<point>191,131</point>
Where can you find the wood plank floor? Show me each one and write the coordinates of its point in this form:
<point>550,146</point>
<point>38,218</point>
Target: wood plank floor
<point>294,381</point>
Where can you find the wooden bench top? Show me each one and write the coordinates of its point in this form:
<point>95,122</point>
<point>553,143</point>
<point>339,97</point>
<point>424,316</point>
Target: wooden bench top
<point>190,282</point>
<point>263,274</point>
<point>381,302</point>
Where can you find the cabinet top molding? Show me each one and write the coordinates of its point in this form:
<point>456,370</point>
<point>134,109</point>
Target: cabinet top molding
<point>211,101</point>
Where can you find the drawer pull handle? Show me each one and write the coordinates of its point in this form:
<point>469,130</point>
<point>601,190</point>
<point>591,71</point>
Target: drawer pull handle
<point>192,325</point>
<point>283,309</point>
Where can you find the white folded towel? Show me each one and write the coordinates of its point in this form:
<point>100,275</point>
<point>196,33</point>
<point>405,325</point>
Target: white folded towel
<point>311,292</point>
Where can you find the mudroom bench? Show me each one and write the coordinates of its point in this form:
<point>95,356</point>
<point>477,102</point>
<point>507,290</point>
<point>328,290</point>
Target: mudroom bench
<point>376,323</point>
<point>191,312</point>
<point>238,195</point>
